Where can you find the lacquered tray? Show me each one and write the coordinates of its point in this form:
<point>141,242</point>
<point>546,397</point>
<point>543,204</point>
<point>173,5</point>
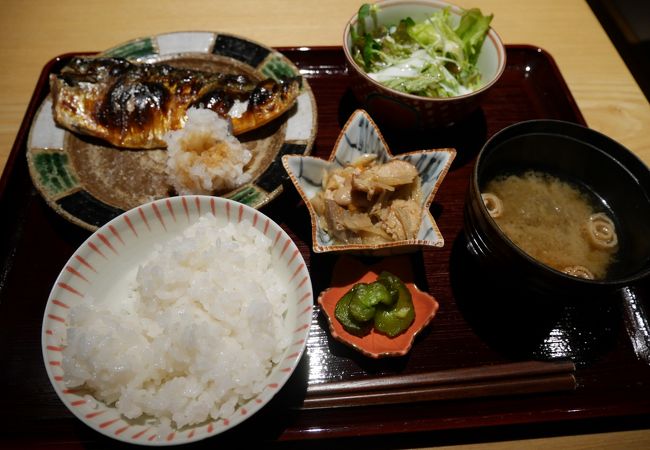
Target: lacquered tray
<point>613,384</point>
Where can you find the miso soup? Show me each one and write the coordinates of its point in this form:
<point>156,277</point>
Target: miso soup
<point>554,222</point>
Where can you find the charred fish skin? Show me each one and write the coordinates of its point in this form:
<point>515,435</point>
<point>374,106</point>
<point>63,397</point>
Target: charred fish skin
<point>268,100</point>
<point>134,105</point>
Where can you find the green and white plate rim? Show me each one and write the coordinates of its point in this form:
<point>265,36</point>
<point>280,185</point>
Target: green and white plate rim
<point>58,181</point>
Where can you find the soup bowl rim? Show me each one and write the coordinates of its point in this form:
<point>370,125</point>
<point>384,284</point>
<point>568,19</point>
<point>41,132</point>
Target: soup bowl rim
<point>489,145</point>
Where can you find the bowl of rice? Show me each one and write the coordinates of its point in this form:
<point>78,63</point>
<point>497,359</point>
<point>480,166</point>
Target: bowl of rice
<point>177,320</point>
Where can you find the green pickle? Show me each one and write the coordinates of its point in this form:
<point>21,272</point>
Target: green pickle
<point>366,298</point>
<point>342,313</point>
<point>397,318</point>
<point>385,304</point>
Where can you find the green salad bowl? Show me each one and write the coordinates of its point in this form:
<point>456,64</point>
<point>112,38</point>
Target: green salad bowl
<point>398,110</point>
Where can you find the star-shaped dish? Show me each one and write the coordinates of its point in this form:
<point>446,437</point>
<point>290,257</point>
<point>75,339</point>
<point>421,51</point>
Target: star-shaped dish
<point>360,136</point>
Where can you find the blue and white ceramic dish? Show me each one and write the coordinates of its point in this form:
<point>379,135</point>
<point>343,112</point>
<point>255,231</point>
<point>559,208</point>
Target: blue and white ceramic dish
<point>360,136</point>
<point>89,182</point>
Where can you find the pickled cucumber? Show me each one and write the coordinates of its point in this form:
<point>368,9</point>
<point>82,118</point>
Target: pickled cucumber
<point>395,319</point>
<point>385,304</point>
<point>366,298</point>
<point>342,313</point>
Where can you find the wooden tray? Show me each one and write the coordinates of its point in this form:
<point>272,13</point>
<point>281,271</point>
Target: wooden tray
<point>613,385</point>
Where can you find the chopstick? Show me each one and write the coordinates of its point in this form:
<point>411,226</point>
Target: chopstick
<point>501,379</point>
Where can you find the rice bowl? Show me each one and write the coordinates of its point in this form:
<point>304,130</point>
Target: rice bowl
<point>109,299</point>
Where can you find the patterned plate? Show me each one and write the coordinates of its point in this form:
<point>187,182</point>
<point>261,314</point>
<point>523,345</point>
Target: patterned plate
<point>104,268</point>
<point>89,182</point>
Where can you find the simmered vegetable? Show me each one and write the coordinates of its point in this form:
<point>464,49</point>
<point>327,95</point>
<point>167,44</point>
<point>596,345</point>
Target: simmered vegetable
<point>370,202</point>
<point>385,303</point>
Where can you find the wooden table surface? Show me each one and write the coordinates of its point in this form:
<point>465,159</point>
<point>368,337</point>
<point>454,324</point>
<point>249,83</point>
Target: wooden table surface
<point>34,31</point>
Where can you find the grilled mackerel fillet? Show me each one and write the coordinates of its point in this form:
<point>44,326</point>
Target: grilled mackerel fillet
<point>133,105</point>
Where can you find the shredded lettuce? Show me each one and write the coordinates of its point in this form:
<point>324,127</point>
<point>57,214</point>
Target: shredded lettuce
<point>429,58</point>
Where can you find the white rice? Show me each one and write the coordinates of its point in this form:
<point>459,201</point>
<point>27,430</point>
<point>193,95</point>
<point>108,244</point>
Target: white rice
<point>199,335</point>
<point>204,157</point>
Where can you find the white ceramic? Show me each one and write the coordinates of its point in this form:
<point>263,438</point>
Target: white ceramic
<point>361,136</point>
<point>104,267</point>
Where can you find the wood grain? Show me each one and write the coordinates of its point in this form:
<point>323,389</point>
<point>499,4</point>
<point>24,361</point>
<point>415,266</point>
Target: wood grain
<point>33,32</point>
<point>526,377</point>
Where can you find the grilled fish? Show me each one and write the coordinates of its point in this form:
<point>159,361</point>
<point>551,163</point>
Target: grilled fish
<point>133,105</point>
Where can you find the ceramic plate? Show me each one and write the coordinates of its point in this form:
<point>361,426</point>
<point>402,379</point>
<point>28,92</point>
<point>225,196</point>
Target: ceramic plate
<point>89,182</point>
<point>348,272</point>
<point>360,136</point>
<point>104,268</point>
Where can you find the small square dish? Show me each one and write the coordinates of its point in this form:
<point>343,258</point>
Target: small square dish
<point>361,139</point>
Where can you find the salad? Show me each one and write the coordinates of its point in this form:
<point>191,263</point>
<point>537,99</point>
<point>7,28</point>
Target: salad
<point>430,58</point>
